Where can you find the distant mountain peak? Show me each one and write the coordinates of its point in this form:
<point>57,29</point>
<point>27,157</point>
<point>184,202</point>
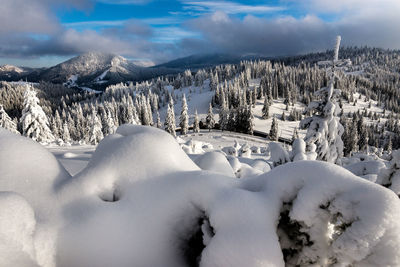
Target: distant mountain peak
<point>10,68</point>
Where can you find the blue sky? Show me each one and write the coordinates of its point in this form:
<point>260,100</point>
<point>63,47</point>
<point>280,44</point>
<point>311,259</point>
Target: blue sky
<point>46,32</point>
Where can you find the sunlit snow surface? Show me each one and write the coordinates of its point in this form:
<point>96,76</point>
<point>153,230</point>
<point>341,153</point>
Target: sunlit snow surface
<point>142,201</point>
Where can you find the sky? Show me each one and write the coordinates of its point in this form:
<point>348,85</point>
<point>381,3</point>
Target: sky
<point>42,33</point>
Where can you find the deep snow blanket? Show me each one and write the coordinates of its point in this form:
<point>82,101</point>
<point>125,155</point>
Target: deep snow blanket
<point>142,201</point>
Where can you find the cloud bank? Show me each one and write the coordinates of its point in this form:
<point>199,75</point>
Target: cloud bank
<point>35,31</point>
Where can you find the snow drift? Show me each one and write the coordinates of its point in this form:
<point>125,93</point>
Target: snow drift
<point>141,201</point>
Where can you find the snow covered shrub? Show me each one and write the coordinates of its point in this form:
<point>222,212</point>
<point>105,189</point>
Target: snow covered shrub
<point>327,216</point>
<point>390,177</point>
<point>279,155</point>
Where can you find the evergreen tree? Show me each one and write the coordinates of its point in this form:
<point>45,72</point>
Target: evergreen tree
<point>363,139</point>
<point>184,119</point>
<point>110,126</point>
<point>159,125</point>
<point>250,118</point>
<point>273,132</point>
<point>6,122</point>
<point>34,121</point>
<point>196,124</point>
<point>295,134</point>
<point>95,134</point>
<point>265,109</point>
<point>223,115</point>
<point>324,129</point>
<point>210,121</point>
<point>169,123</point>
<point>65,136</point>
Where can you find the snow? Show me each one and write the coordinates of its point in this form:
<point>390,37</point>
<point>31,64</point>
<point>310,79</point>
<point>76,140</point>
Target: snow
<point>100,78</point>
<point>17,225</point>
<point>71,81</point>
<point>142,201</point>
<point>90,90</point>
<point>216,162</point>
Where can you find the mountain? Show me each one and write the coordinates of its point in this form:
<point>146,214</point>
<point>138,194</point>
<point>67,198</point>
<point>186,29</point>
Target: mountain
<point>200,61</point>
<point>99,69</point>
<point>14,73</point>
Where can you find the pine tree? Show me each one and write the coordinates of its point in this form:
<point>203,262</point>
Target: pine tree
<point>196,124</point>
<point>95,134</point>
<point>169,123</point>
<point>295,134</point>
<point>250,118</point>
<point>223,115</point>
<point>65,136</point>
<point>6,122</point>
<point>363,139</point>
<point>34,121</point>
<point>159,125</point>
<point>273,132</point>
<point>324,129</point>
<point>110,126</point>
<point>210,121</point>
<point>265,109</point>
<point>184,119</point>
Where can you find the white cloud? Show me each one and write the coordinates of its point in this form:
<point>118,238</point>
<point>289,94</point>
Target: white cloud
<point>229,7</point>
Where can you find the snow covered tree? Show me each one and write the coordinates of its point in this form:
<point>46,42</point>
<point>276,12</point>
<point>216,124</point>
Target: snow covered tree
<point>250,118</point>
<point>295,134</point>
<point>196,124</point>
<point>169,123</point>
<point>95,134</point>
<point>159,125</point>
<point>362,130</point>
<point>223,115</point>
<point>109,127</point>
<point>265,109</point>
<point>337,46</point>
<point>210,121</point>
<point>324,128</point>
<point>6,122</point>
<point>273,132</point>
<point>34,121</point>
<point>65,136</point>
<point>184,119</point>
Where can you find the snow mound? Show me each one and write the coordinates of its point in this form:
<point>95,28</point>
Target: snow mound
<point>216,162</point>
<point>30,170</point>
<point>366,168</point>
<point>17,225</point>
<point>134,153</point>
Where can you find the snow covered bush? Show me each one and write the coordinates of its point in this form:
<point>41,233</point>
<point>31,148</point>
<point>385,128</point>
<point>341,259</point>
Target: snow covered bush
<point>390,177</point>
<point>327,216</point>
